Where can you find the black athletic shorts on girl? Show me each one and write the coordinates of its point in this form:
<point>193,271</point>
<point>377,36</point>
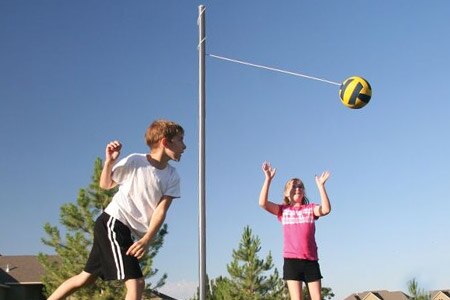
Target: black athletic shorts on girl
<point>108,258</point>
<point>301,270</point>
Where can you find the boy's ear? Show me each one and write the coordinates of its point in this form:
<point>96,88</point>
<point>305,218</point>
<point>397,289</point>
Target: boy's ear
<point>164,142</point>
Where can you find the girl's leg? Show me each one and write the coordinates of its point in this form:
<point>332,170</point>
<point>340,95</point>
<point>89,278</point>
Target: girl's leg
<point>314,290</point>
<point>135,288</point>
<point>72,284</point>
<point>295,289</point>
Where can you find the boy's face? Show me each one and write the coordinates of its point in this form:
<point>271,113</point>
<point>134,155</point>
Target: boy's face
<point>175,147</point>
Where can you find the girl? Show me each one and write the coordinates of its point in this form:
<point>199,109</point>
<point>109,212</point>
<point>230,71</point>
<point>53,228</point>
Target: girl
<point>298,216</point>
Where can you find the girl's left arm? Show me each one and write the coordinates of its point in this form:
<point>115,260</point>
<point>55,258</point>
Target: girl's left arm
<point>325,207</point>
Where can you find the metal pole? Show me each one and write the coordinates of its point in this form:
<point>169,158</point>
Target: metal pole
<point>201,170</point>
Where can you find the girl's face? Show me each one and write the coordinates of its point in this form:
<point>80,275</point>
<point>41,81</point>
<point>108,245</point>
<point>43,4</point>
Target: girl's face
<point>295,191</point>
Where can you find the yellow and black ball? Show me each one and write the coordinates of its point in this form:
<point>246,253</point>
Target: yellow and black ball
<point>355,92</point>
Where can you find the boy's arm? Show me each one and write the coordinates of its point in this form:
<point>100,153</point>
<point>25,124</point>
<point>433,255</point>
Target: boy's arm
<point>112,152</point>
<point>106,181</point>
<point>325,207</point>
<point>139,248</point>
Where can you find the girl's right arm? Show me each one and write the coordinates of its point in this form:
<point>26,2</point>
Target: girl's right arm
<point>263,196</point>
<point>112,152</point>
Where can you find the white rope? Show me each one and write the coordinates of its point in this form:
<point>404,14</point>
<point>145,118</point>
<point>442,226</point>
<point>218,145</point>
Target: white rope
<point>272,69</point>
<point>198,24</point>
<point>201,42</point>
<point>199,15</point>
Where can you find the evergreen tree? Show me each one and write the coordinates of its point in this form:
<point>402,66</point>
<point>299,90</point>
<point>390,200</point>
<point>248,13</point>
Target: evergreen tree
<point>216,289</point>
<point>248,279</point>
<point>325,293</point>
<point>72,252</point>
<point>211,289</point>
<point>416,292</point>
<point>220,289</point>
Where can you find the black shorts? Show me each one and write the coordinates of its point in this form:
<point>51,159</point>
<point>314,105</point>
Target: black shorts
<point>301,270</point>
<point>108,259</point>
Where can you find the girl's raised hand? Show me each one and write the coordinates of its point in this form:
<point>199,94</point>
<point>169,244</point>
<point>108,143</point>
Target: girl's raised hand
<point>268,170</point>
<point>320,180</point>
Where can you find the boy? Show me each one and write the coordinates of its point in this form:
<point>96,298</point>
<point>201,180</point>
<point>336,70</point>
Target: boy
<point>147,186</point>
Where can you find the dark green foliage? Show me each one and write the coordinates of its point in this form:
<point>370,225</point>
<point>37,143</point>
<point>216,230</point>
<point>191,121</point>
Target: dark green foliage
<point>325,292</point>
<point>250,277</point>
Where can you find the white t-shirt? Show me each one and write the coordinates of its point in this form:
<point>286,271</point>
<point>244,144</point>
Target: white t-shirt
<point>141,187</point>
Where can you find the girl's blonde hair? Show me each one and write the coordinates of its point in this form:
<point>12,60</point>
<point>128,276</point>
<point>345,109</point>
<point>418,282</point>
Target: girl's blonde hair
<point>287,191</point>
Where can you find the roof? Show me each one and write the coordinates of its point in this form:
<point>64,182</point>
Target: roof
<point>162,296</point>
<point>440,294</point>
<point>23,269</point>
<point>378,295</point>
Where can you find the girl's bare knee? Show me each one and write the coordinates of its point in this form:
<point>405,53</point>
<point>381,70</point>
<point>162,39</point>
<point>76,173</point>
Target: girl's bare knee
<point>314,290</point>
<point>135,288</point>
<point>141,283</point>
<point>135,284</point>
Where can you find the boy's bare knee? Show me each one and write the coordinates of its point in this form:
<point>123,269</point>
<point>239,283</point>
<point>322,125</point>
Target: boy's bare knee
<point>84,278</point>
<point>71,285</point>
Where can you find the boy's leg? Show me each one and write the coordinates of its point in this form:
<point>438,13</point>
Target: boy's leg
<point>314,290</point>
<point>72,284</point>
<point>295,289</point>
<point>135,288</point>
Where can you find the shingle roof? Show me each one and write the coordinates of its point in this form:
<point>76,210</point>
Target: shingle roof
<point>20,269</point>
<point>383,295</point>
<point>162,296</point>
<point>441,293</point>
<point>393,295</point>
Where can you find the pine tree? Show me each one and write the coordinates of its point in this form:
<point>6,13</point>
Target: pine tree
<point>216,289</point>
<point>325,293</point>
<point>72,252</point>
<point>220,289</point>
<point>248,275</point>
<point>248,272</point>
<point>416,292</point>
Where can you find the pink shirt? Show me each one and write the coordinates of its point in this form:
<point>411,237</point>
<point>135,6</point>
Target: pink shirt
<point>299,230</point>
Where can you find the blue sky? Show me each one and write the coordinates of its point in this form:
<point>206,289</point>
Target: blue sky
<point>76,74</point>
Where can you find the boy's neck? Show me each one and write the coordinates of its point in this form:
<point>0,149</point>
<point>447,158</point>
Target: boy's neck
<point>158,159</point>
